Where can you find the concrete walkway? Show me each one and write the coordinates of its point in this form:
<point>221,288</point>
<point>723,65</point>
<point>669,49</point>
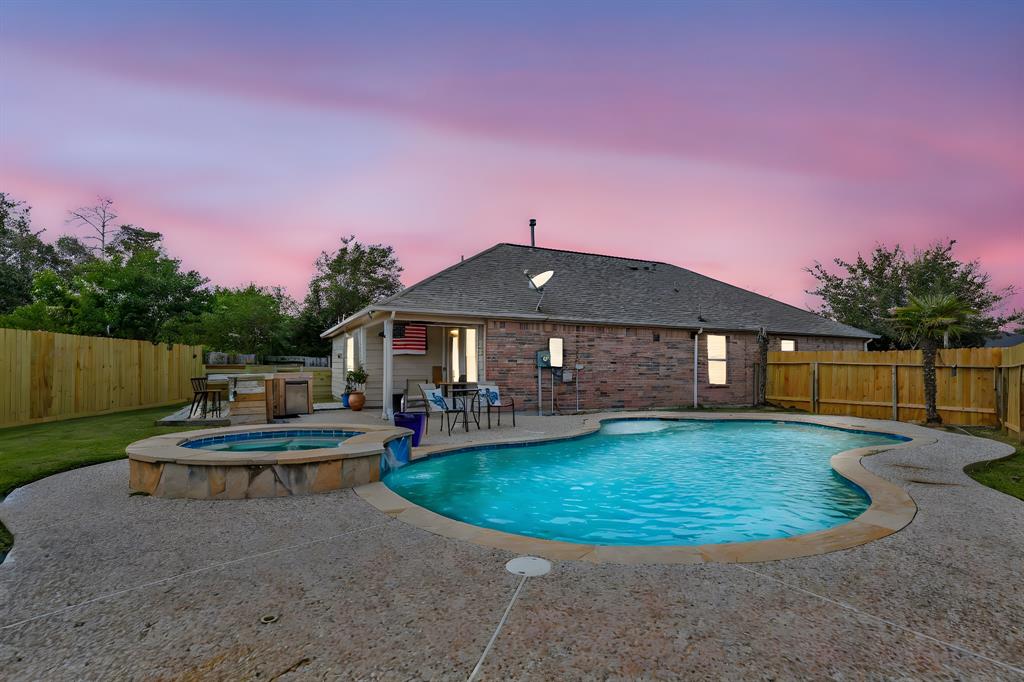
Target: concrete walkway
<point>102,585</point>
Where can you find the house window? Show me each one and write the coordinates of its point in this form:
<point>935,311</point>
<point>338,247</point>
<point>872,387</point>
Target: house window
<point>788,344</point>
<point>350,353</point>
<point>456,365</point>
<point>716,360</point>
<point>471,357</point>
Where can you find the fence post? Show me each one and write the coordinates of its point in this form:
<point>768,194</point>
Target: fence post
<point>895,394</point>
<point>1000,408</point>
<point>814,388</point>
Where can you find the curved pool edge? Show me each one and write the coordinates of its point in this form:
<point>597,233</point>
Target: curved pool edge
<point>161,466</point>
<point>891,508</point>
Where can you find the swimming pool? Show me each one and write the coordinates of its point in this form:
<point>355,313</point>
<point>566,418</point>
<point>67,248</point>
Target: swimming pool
<point>272,441</point>
<point>650,482</point>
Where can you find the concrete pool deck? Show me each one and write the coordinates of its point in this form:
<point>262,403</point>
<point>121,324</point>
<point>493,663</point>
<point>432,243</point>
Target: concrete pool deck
<point>104,585</point>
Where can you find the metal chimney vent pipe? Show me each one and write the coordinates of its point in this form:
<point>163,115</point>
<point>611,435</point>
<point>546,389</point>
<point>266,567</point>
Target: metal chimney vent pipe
<point>533,226</point>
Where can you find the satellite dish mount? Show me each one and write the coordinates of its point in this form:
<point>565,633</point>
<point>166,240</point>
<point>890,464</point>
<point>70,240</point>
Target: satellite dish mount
<point>538,282</point>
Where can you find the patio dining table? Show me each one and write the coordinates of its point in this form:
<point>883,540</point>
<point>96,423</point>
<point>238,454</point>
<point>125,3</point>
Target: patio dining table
<point>464,389</point>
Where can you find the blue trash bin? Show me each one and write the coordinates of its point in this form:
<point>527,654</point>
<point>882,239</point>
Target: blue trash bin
<point>414,421</point>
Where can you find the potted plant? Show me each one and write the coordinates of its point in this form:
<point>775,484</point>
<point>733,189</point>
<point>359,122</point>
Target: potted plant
<point>348,391</point>
<point>354,381</point>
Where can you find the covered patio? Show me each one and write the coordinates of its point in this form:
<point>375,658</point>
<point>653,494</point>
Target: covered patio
<point>400,351</point>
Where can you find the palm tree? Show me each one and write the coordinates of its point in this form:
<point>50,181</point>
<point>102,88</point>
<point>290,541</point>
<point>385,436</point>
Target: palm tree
<point>926,321</point>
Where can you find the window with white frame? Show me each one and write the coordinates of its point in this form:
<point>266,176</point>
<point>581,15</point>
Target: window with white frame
<point>787,345</point>
<point>717,373</point>
<point>472,375</point>
<point>350,353</point>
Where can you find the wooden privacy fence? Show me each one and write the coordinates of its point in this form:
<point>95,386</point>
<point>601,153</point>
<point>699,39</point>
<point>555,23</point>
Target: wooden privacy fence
<point>46,376</point>
<point>1011,389</point>
<point>975,386</point>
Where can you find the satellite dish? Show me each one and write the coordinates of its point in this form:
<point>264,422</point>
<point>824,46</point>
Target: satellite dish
<point>538,281</point>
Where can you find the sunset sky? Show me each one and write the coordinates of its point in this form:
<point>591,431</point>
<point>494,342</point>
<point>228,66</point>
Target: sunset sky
<point>740,140</point>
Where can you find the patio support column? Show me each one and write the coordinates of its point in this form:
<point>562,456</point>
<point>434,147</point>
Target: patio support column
<point>389,368</point>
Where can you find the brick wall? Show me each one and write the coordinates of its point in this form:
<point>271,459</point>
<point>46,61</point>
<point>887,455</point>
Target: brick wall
<point>817,343</point>
<point>624,367</point>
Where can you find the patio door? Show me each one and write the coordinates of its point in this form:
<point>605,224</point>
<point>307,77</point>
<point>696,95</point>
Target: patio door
<point>462,351</point>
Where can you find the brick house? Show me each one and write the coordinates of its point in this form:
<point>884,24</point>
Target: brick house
<point>632,327</point>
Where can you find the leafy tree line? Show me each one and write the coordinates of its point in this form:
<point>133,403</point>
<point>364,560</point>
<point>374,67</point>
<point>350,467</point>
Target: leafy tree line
<point>120,281</point>
<point>868,291</point>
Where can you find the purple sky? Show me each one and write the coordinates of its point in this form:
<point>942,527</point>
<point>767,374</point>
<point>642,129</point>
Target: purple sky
<point>740,140</point>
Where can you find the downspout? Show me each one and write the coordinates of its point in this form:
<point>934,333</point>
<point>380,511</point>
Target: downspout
<point>696,346</point>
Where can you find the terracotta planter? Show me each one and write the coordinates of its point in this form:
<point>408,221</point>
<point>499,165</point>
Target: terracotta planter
<point>356,401</point>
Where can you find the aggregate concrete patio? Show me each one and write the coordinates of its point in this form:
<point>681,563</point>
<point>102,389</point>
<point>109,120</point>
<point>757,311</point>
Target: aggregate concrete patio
<point>103,585</point>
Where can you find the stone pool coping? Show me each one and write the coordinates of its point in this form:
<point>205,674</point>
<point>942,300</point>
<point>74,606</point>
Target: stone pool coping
<point>168,447</point>
<point>891,507</point>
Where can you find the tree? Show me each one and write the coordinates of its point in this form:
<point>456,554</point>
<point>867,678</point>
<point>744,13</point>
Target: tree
<point>22,254</point>
<point>141,294</point>
<point>251,319</point>
<point>344,282</point>
<point>870,287</point>
<point>99,219</point>
<point>128,239</point>
<point>71,253</point>
<point>926,322</point>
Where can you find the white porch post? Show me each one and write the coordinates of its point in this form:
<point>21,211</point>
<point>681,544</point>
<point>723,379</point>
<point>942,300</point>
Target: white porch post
<point>389,370</point>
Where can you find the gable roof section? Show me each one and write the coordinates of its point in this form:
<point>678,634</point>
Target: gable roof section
<point>594,289</point>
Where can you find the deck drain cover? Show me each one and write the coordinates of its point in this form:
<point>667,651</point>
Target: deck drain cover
<point>531,566</point>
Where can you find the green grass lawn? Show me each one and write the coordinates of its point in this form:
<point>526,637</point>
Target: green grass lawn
<point>1006,474</point>
<point>28,453</point>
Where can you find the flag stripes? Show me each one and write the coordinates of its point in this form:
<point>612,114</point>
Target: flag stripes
<point>410,339</point>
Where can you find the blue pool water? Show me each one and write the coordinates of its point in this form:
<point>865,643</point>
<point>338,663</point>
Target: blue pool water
<point>650,482</point>
<point>272,441</point>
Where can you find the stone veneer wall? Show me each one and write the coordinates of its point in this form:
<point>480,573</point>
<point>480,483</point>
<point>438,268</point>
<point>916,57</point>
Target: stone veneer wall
<point>627,367</point>
<point>240,481</point>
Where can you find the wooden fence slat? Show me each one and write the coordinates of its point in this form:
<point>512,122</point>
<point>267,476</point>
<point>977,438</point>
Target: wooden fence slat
<point>48,376</point>
<point>890,384</point>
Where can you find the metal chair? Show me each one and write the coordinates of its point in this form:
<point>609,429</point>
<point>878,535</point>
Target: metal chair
<point>410,399</point>
<point>490,395</point>
<point>201,398</point>
<point>436,402</point>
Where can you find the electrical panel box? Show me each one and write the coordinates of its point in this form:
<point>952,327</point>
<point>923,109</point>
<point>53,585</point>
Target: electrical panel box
<point>543,358</point>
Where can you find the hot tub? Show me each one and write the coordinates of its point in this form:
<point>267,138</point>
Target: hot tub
<point>269,461</point>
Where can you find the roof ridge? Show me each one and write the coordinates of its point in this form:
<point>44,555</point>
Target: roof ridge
<point>588,253</point>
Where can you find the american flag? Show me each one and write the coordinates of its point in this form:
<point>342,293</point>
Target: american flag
<point>410,339</point>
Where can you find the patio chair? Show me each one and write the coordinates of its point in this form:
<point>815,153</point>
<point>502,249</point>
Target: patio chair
<point>446,407</point>
<point>412,397</point>
<point>490,396</point>
<point>201,397</point>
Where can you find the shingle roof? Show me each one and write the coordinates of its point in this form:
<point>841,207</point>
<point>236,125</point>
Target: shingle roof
<point>591,288</point>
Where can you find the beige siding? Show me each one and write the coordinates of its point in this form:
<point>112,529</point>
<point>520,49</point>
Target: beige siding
<point>418,367</point>
<point>338,365</point>
<point>372,353</point>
